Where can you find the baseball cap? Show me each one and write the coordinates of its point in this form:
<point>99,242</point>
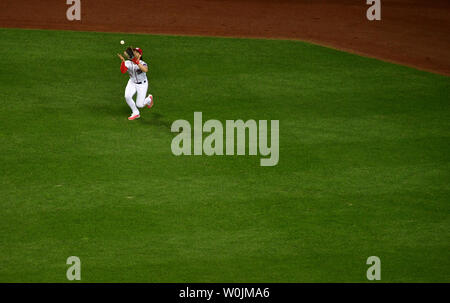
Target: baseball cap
<point>138,50</point>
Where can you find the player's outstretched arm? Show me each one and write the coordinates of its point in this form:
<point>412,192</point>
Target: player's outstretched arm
<point>143,68</point>
<point>123,67</point>
<point>136,60</point>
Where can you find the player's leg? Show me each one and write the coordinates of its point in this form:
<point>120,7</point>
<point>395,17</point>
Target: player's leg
<point>141,101</point>
<point>130,90</point>
<point>146,101</point>
<point>149,101</point>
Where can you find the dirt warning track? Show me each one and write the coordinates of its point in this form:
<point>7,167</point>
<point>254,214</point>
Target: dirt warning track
<point>411,32</point>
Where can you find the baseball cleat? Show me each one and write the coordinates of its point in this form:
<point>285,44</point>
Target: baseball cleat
<point>151,101</point>
<point>132,117</point>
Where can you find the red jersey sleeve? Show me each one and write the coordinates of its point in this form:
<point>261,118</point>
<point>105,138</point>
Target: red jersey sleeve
<point>123,68</point>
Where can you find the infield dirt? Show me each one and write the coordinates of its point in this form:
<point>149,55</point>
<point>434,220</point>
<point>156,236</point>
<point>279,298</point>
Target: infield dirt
<point>411,32</point>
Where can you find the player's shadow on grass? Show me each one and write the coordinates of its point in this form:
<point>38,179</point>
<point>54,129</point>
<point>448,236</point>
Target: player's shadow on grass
<point>155,119</point>
<point>121,112</point>
<point>115,112</point>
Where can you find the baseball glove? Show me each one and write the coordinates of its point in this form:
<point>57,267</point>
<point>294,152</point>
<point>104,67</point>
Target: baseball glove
<point>130,53</point>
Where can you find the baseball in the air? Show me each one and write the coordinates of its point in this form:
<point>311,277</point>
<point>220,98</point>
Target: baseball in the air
<point>122,42</point>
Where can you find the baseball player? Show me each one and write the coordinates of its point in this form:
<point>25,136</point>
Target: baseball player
<point>138,82</point>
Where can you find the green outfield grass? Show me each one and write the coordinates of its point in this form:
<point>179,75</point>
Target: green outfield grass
<point>363,170</point>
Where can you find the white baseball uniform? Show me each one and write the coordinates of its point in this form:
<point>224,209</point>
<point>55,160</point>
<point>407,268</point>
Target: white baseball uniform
<point>138,83</point>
